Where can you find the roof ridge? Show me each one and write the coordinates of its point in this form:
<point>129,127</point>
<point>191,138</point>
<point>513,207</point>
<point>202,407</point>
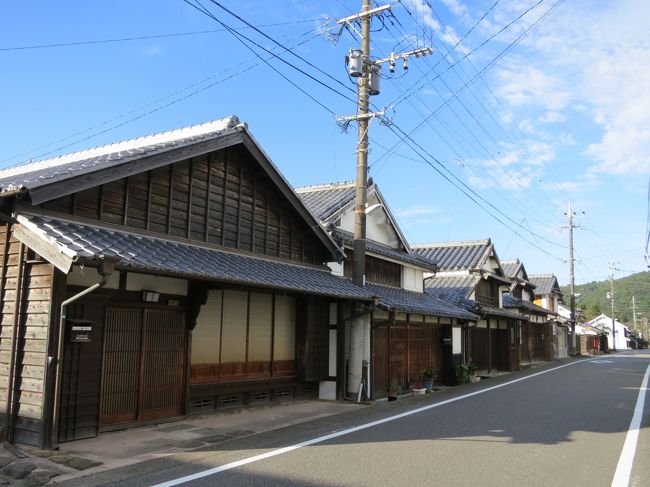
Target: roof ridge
<point>457,243</point>
<point>325,186</point>
<point>127,144</point>
<point>541,275</point>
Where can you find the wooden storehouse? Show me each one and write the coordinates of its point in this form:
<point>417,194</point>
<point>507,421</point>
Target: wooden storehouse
<point>408,330</point>
<point>152,278</point>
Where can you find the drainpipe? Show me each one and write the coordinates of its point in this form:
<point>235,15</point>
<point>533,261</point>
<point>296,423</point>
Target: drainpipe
<point>105,269</point>
<point>14,338</point>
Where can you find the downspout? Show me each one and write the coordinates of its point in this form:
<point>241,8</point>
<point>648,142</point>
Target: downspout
<point>14,336</point>
<point>105,269</point>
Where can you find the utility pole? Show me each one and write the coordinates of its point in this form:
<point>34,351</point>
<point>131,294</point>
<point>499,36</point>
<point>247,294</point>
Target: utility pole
<point>636,332</point>
<point>612,268</point>
<point>570,214</point>
<point>368,73</point>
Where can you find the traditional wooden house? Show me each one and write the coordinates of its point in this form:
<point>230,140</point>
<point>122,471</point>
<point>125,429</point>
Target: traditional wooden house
<point>471,276</point>
<point>548,295</point>
<point>152,278</point>
<point>536,332</point>
<point>408,330</point>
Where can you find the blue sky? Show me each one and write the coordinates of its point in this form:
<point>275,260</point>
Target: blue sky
<point>528,111</point>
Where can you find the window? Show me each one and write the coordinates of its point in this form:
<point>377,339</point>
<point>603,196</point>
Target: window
<point>242,335</point>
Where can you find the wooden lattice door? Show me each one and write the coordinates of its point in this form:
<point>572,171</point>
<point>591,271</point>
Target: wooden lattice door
<point>143,366</point>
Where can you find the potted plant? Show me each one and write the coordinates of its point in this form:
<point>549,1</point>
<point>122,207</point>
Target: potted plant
<point>393,391</point>
<point>465,372</point>
<point>428,376</point>
<point>417,386</point>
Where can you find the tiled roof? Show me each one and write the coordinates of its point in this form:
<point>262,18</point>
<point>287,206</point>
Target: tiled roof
<point>455,255</point>
<point>494,311</point>
<point>545,284</point>
<point>413,302</point>
<point>455,290</point>
<point>326,199</point>
<point>35,174</point>
<point>509,301</point>
<point>510,267</point>
<point>150,253</point>
<point>347,238</point>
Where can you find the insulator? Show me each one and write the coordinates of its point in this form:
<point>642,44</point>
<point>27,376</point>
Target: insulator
<point>391,66</point>
<point>406,64</point>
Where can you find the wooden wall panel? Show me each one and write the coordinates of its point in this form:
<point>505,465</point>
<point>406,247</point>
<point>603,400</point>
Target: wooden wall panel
<point>221,198</point>
<point>34,307</point>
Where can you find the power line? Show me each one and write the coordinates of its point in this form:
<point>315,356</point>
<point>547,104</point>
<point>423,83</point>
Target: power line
<point>404,135</point>
<point>151,104</point>
<point>449,129</point>
<point>139,38</point>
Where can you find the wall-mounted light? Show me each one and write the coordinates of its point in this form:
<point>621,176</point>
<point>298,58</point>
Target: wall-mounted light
<point>150,296</point>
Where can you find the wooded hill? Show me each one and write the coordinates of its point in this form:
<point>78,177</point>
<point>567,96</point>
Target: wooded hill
<point>593,297</point>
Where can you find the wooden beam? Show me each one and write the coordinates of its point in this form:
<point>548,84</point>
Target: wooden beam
<point>45,247</point>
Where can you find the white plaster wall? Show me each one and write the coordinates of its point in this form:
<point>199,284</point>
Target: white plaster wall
<point>160,284</point>
<point>412,279</point>
<point>87,276</point>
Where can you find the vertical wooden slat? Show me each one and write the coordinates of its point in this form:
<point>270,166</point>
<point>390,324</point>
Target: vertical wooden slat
<point>225,191</point>
<point>266,224</point>
<point>149,190</point>
<point>189,198</point>
<point>101,202</point>
<point>171,197</point>
<point>254,219</point>
<point>126,200</point>
<point>207,197</point>
<point>239,197</point>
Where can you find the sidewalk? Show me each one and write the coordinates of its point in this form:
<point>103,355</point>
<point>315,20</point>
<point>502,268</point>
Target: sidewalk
<point>121,448</point>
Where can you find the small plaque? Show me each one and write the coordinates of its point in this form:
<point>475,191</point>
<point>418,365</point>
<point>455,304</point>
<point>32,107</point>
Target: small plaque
<point>80,330</point>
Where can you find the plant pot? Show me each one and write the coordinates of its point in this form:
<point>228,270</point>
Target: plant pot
<point>392,396</point>
<point>428,384</point>
<point>419,391</point>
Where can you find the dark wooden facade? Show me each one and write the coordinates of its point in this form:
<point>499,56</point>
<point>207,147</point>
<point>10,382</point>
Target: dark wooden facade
<point>402,347</point>
<point>221,198</point>
<point>377,271</point>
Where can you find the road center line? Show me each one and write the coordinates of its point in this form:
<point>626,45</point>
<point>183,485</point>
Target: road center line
<point>321,439</point>
<point>626,460</point>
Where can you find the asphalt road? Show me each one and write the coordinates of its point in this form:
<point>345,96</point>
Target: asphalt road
<point>563,424</point>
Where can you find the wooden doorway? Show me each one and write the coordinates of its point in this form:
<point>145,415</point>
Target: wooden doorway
<point>143,373</point>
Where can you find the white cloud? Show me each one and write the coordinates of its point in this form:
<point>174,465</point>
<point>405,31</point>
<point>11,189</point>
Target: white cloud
<point>526,85</point>
<point>589,60</point>
<point>456,7</point>
<point>552,117</point>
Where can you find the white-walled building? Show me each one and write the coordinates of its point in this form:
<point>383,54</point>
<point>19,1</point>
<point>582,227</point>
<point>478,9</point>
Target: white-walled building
<point>603,323</point>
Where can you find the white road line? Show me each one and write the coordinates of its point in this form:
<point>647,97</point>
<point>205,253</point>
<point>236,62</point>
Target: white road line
<point>626,460</point>
<point>321,439</point>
